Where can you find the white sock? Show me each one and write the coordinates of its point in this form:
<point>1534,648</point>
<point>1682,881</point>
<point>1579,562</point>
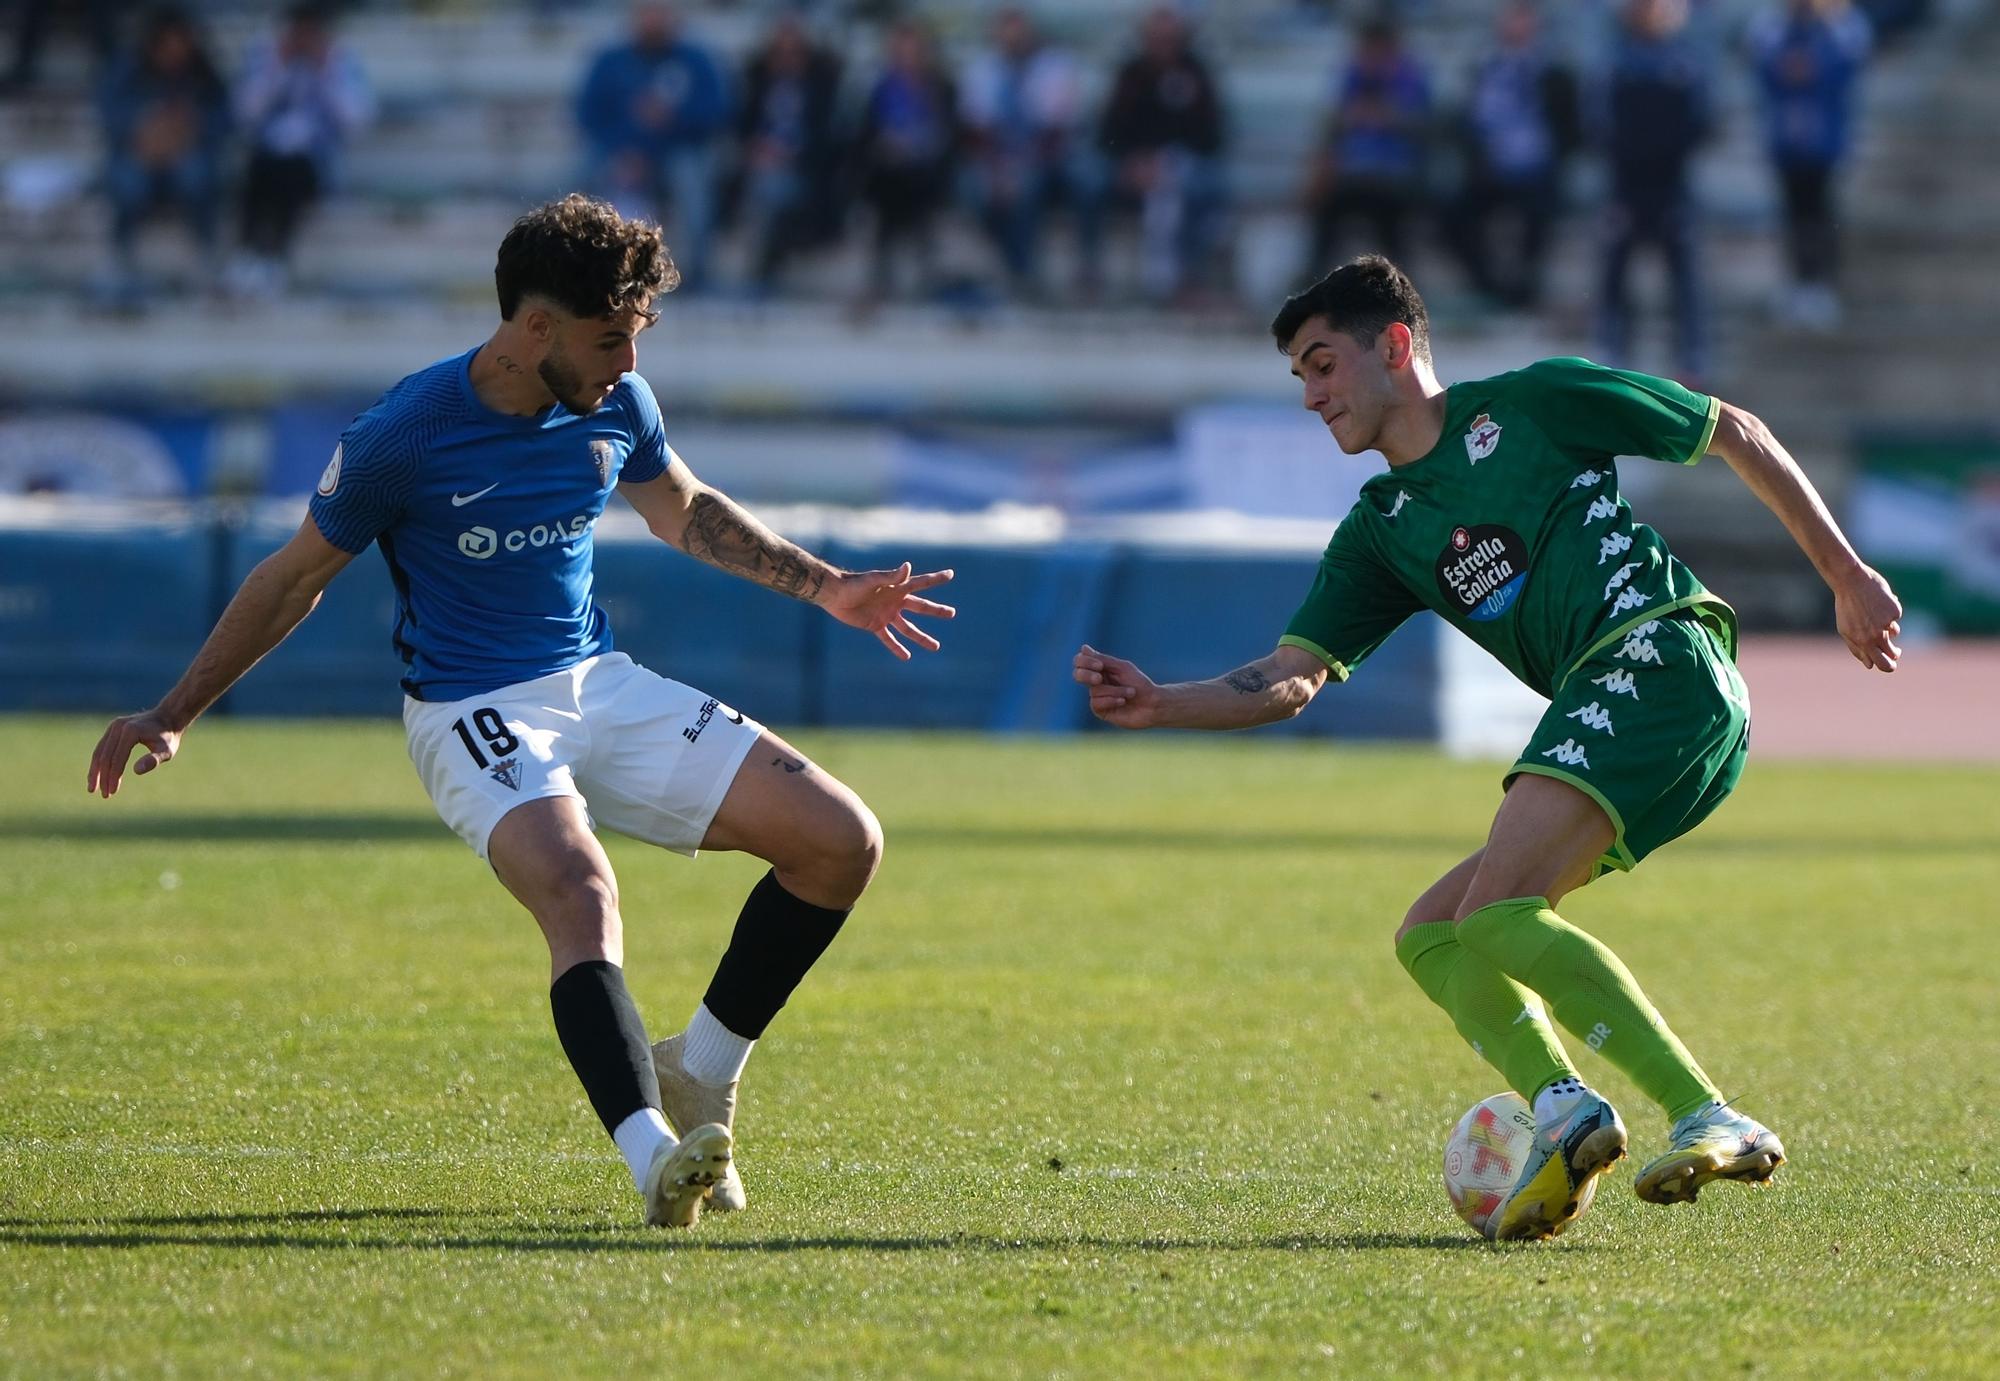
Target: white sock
<point>711,1053</point>
<point>1552,1101</point>
<point>638,1136</point>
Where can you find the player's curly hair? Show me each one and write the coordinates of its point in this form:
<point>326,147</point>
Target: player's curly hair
<point>580,254</point>
<point>1359,298</point>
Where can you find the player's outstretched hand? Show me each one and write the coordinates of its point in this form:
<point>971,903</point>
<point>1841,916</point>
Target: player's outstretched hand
<point>882,602</point>
<point>1869,616</point>
<point>114,750</point>
<point>1120,693</point>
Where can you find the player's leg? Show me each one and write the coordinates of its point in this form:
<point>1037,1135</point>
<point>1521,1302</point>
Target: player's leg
<point>545,854</point>
<point>1592,994</point>
<point>1502,1021</point>
<point>823,846</point>
<point>1579,1136</point>
<point>678,768</point>
<point>1549,833</point>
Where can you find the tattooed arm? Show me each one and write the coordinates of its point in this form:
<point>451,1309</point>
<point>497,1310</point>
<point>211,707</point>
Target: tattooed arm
<point>1267,690</point>
<point>710,526</point>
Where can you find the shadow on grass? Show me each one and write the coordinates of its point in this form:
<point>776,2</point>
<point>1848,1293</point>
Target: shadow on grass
<point>295,1218</point>
<point>168,1231</point>
<point>376,827</point>
<point>386,827</point>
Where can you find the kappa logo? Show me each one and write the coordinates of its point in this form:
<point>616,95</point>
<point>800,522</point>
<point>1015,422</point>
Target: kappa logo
<point>1629,599</point>
<point>1529,1012</point>
<point>1586,479</point>
<point>1569,753</point>
<point>1402,497</point>
<point>329,479</point>
<point>1593,716</point>
<point>1600,507</point>
<point>1615,544</point>
<point>1640,650</point>
<point>507,773</point>
<point>1619,577</point>
<point>1618,683</point>
<point>602,455</point>
<point>1482,440</point>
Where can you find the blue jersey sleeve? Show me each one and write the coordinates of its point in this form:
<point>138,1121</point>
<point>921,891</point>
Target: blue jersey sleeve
<point>648,459</point>
<point>366,484</point>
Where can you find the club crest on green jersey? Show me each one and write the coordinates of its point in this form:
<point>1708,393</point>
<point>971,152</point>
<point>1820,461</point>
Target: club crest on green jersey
<point>1482,439</point>
<point>1481,572</point>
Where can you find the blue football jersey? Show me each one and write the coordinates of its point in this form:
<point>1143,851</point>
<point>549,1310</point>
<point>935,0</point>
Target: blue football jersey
<point>486,521</point>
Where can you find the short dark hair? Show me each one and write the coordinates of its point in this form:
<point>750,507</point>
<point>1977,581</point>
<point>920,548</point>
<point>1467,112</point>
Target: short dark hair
<point>584,257</point>
<point>1359,298</point>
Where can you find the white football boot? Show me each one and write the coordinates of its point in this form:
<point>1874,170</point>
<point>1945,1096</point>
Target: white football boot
<point>683,1172</point>
<point>688,1102</point>
<point>1583,1140</point>
<point>1713,1142</point>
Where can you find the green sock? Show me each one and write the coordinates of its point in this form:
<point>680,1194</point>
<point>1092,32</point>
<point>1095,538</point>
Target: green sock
<point>1500,1020</point>
<point>1592,994</point>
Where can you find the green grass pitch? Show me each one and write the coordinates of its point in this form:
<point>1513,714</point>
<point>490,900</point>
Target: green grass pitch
<point>1114,1073</point>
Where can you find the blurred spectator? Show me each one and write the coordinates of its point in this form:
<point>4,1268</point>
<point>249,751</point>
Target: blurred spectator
<point>1370,166</point>
<point>786,123</point>
<point>1163,132</point>
<point>1520,122</point>
<point>1889,20</point>
<point>1808,58</point>
<point>166,122</point>
<point>1023,111</point>
<point>1655,116</point>
<point>906,150</point>
<point>99,23</point>
<point>301,96</point>
<point>651,110</point>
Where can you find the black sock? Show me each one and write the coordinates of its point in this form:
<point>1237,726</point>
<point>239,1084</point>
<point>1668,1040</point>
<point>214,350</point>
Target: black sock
<point>600,1031</point>
<point>778,937</point>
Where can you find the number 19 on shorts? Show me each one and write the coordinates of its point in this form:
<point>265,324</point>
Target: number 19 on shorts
<point>492,729</point>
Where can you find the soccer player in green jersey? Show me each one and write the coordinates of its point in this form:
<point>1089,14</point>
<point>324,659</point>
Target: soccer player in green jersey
<point>1500,511</point>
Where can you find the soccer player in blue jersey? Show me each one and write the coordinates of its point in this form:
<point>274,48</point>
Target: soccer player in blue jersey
<point>481,478</point>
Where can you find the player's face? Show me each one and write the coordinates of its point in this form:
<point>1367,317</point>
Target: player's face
<point>587,356</point>
<point>1346,383</point>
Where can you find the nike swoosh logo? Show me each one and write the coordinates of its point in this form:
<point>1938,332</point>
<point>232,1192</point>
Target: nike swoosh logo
<point>736,716</point>
<point>461,500</point>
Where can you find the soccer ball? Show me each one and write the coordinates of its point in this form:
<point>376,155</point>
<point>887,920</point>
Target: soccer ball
<point>1483,1157</point>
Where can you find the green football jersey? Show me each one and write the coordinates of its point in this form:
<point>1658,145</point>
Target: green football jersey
<point>1512,528</point>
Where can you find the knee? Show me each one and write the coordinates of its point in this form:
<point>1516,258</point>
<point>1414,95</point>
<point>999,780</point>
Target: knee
<point>842,860</point>
<point>579,915</point>
<point>857,851</point>
<point>1419,914</point>
<point>1437,904</point>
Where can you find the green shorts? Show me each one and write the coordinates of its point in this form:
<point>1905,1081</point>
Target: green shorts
<point>1654,728</point>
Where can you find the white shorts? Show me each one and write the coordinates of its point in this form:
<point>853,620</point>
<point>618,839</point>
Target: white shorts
<point>648,757</point>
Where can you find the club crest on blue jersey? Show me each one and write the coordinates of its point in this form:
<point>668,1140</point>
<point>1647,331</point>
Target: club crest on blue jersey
<point>606,458</point>
<point>329,479</point>
<point>507,773</point>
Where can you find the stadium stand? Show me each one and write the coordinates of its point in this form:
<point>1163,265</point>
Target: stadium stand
<point>474,122</point>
